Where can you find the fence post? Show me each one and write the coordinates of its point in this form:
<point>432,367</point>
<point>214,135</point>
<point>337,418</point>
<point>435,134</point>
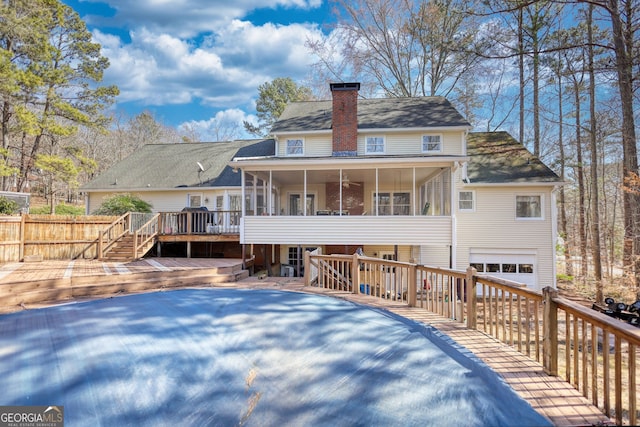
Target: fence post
<point>22,233</point>
<point>472,298</point>
<point>99,254</point>
<point>307,268</point>
<point>550,325</point>
<point>355,274</point>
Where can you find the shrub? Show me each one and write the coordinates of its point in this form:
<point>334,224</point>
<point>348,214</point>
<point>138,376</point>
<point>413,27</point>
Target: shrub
<point>120,204</point>
<point>63,209</point>
<point>40,210</point>
<point>8,207</point>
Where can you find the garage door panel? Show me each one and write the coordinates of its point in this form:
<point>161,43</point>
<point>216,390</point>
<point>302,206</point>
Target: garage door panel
<point>519,268</point>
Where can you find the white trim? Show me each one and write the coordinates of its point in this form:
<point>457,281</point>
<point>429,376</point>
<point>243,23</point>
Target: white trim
<point>441,143</point>
<point>364,162</point>
<point>286,147</point>
<point>528,218</point>
<point>189,195</point>
<point>366,145</point>
<point>515,184</point>
<point>473,201</point>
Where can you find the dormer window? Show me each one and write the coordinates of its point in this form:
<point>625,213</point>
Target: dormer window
<point>432,143</point>
<point>295,147</point>
<point>375,145</point>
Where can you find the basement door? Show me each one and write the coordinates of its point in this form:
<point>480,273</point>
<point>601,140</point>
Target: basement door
<point>521,268</point>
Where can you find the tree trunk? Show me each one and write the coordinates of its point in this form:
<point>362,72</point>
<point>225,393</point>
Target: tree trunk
<point>584,266</point>
<point>623,47</point>
<point>536,76</point>
<point>568,263</point>
<point>521,69</point>
<point>595,199</point>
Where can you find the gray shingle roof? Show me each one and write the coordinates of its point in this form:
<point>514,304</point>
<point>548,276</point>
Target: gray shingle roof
<point>498,158</point>
<point>386,113</point>
<point>162,166</point>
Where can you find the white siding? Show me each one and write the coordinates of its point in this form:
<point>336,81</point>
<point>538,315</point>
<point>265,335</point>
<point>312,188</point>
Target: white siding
<point>162,201</point>
<point>396,143</point>
<point>337,230</point>
<point>411,143</point>
<point>314,146</point>
<point>494,227</point>
<point>435,256</point>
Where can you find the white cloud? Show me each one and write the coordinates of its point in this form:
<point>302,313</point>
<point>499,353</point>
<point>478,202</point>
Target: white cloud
<point>160,69</point>
<point>224,126</point>
<point>186,18</point>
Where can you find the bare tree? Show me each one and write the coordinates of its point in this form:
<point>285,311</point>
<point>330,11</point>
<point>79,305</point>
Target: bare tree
<point>405,48</point>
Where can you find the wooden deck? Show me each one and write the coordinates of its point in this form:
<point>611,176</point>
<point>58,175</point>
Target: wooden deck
<point>550,396</point>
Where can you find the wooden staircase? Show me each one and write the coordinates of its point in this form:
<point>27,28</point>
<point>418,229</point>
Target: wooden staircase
<point>122,249</point>
<point>127,238</point>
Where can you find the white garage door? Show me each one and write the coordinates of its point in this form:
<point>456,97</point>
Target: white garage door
<point>519,268</point>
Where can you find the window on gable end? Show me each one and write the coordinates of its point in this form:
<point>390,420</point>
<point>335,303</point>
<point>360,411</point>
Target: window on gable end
<point>295,147</point>
<point>431,143</point>
<point>374,145</point>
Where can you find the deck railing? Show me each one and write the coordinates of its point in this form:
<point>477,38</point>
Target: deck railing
<point>145,234</point>
<point>200,222</point>
<point>595,353</point>
<point>110,235</point>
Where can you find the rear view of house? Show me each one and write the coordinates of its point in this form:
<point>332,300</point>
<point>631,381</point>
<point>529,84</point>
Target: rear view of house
<point>403,179</point>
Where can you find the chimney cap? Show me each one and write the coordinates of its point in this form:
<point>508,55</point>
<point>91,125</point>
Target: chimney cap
<point>344,86</point>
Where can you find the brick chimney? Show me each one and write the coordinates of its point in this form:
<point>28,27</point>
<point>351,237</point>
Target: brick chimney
<point>345,118</point>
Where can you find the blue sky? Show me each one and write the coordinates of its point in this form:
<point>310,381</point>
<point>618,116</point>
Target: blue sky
<point>201,61</point>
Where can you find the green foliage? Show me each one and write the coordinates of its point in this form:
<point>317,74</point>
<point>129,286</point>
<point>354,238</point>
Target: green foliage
<point>7,207</point>
<point>63,209</point>
<point>274,97</point>
<point>40,210</point>
<point>50,74</point>
<point>120,204</point>
<point>60,209</point>
<point>564,278</point>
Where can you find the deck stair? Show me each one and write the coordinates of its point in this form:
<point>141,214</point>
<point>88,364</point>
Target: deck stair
<point>104,285</point>
<point>128,238</point>
<point>122,249</point>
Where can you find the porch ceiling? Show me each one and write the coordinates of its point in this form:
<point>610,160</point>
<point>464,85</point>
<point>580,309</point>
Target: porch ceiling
<point>397,175</point>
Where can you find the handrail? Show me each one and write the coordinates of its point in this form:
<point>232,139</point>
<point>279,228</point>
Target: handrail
<point>200,222</point>
<point>579,349</point>
<point>123,222</point>
<point>143,235</point>
<point>577,346</point>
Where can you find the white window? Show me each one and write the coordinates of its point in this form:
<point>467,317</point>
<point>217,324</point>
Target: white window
<point>529,207</point>
<point>466,201</point>
<point>431,143</point>
<point>375,145</point>
<point>295,147</point>
<point>194,200</point>
<point>392,203</point>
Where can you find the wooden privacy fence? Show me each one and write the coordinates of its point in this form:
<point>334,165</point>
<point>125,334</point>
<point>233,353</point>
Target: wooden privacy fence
<point>595,353</point>
<point>48,236</point>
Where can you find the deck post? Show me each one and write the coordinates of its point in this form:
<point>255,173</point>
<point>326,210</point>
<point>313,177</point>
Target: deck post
<point>135,244</point>
<point>355,274</point>
<point>412,286</point>
<point>550,339</point>
<point>471,298</point>
<point>307,268</point>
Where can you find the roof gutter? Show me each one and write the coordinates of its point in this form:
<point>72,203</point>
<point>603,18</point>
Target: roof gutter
<point>270,163</point>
